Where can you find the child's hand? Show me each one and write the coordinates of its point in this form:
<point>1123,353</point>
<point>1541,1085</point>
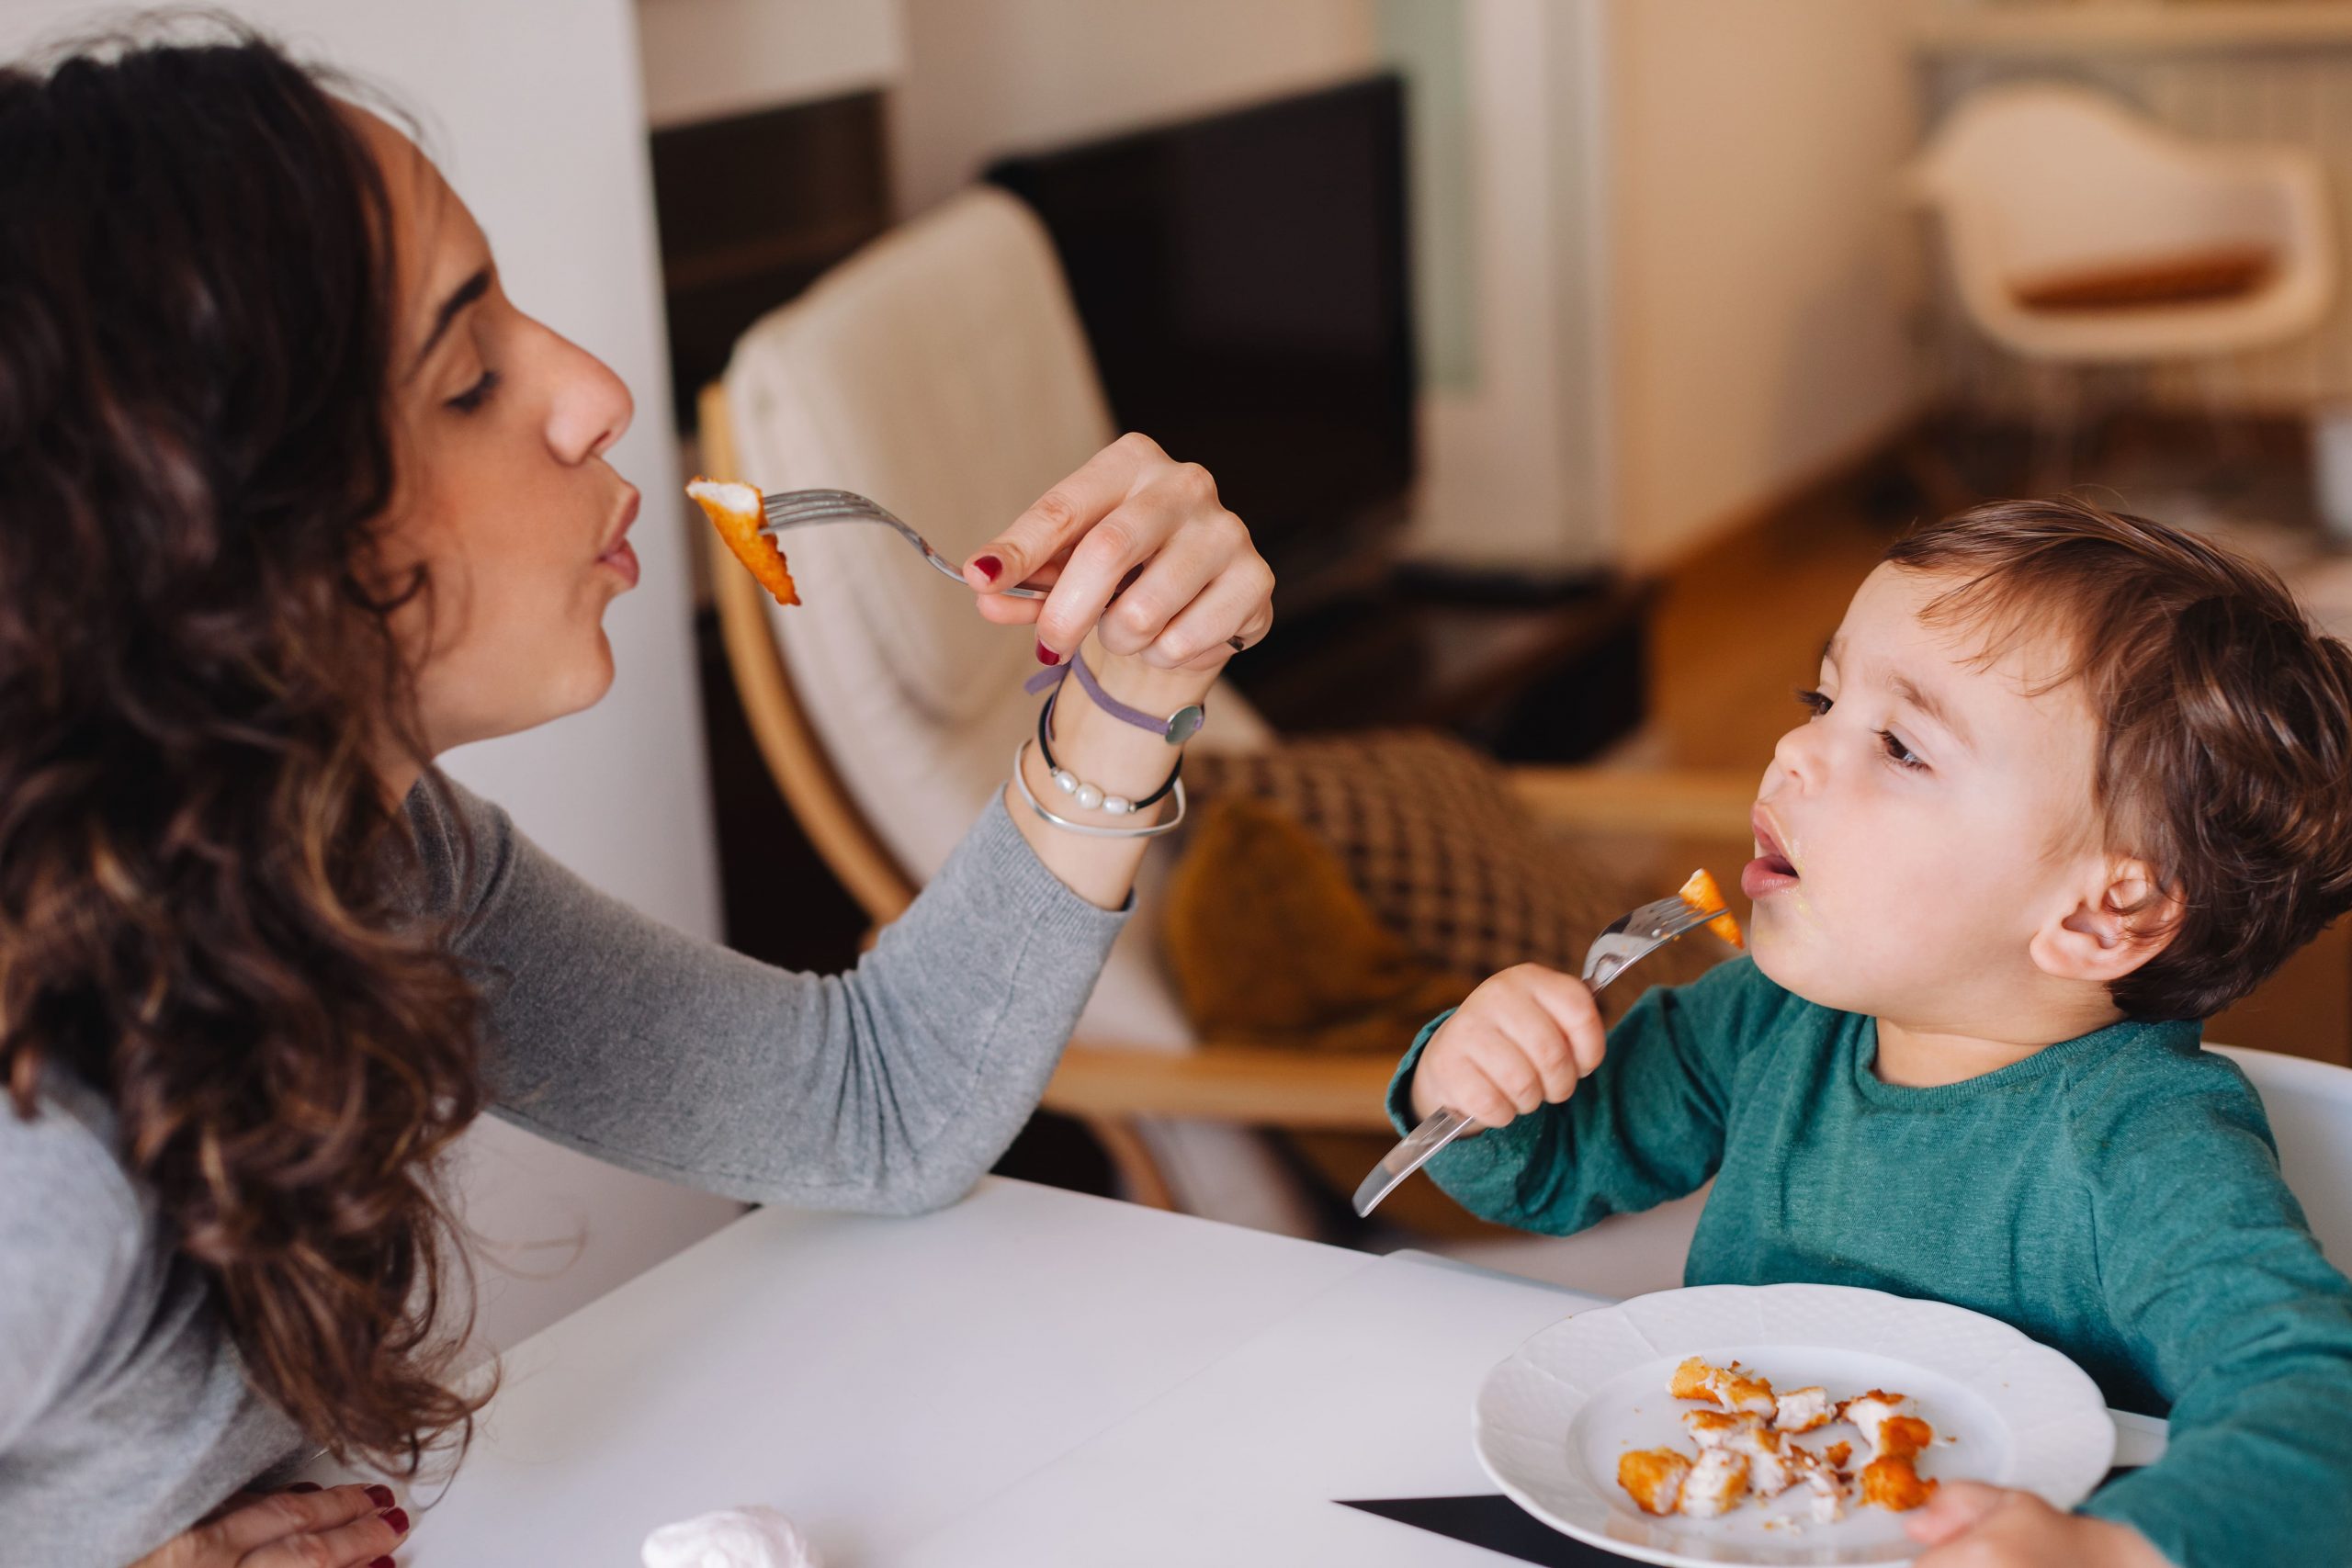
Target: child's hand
<point>1971,1526</point>
<point>1521,1041</point>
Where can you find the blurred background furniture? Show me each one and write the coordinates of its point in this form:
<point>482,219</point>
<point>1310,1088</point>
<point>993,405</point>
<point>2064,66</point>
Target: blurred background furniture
<point>941,372</point>
<point>2078,233</point>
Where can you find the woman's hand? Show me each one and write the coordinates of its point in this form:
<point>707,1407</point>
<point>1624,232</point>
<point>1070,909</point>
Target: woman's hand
<point>1966,1525</point>
<point>1132,518</point>
<point>302,1526</point>
<point>1520,1042</point>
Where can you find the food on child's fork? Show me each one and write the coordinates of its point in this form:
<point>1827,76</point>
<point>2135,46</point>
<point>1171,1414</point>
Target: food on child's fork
<point>1654,1477</point>
<point>1743,1433</point>
<point>1702,894</point>
<point>734,510</point>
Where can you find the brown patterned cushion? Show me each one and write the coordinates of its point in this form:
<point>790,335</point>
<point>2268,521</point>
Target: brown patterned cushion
<point>1427,830</point>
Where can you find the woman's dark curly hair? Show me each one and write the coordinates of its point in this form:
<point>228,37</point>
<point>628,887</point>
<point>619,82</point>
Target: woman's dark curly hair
<point>201,877</point>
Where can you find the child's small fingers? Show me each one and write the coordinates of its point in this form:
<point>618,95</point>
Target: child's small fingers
<point>1570,1004</point>
<point>1538,1039</point>
<point>1512,1069</point>
<point>1478,1097</point>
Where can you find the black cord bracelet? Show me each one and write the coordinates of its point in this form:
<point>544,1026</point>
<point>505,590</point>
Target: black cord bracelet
<point>1074,785</point>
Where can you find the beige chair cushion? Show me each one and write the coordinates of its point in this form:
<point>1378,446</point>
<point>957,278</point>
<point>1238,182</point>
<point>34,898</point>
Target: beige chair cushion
<point>943,372</point>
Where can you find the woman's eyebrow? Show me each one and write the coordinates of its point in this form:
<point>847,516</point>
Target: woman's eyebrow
<point>465,294</point>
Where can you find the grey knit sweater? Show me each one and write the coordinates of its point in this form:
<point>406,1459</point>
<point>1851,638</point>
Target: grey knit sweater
<point>124,1415</point>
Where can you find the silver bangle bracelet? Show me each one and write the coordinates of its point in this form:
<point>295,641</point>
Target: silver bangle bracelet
<point>1021,781</point>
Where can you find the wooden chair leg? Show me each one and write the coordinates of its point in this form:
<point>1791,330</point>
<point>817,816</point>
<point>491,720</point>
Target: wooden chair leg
<point>1139,1175</point>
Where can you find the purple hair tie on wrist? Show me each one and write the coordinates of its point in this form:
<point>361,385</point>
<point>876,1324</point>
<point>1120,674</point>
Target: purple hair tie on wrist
<point>1176,728</point>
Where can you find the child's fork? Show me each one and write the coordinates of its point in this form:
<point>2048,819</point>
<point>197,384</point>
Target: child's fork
<point>798,508</point>
<point>1632,936</point>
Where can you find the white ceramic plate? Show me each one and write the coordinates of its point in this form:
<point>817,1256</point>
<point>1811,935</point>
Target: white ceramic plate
<point>1554,1417</point>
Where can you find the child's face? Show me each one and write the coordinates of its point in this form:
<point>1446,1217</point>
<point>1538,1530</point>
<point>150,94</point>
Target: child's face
<point>1919,827</point>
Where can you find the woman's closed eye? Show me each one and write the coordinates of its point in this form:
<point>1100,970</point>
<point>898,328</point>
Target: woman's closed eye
<point>1898,750</point>
<point>473,397</point>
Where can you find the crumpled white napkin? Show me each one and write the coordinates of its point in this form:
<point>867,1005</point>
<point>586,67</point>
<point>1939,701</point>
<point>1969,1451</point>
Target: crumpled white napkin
<point>751,1537</point>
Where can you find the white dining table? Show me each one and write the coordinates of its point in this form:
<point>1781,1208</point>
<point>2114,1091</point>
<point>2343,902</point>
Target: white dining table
<point>1030,1376</point>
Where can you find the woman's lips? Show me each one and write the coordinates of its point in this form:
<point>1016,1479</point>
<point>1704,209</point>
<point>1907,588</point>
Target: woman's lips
<point>620,555</point>
<point>1771,871</point>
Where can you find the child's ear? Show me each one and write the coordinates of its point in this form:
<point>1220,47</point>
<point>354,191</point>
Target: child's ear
<point>2121,920</point>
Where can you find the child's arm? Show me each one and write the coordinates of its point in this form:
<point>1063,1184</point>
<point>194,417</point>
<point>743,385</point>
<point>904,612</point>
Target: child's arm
<point>2205,1263</point>
<point>1645,1125</point>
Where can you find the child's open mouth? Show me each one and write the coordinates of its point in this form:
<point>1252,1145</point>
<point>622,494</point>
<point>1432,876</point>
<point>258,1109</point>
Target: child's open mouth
<point>1771,871</point>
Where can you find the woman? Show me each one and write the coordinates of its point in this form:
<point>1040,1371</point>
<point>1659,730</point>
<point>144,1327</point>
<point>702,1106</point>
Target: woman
<point>293,499</point>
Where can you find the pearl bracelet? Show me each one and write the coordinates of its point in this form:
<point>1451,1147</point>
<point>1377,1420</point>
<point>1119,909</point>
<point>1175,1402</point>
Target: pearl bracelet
<point>1092,798</point>
<point>1021,781</point>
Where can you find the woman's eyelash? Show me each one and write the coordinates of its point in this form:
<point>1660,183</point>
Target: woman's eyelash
<point>473,397</point>
<point>1900,755</point>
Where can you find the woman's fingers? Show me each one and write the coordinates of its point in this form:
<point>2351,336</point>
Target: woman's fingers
<point>1237,603</point>
<point>357,1544</point>
<point>1114,556</point>
<point>283,1515</point>
<point>1057,519</point>
<point>1167,584</point>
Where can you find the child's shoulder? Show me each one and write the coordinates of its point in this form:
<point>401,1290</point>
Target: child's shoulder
<point>2158,1084</point>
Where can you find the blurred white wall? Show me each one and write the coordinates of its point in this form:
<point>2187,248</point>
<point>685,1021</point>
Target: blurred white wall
<point>1762,276</point>
<point>703,59</point>
<point>536,114</point>
<point>990,76</point>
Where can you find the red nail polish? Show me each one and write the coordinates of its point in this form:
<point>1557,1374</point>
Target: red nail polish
<point>1046,655</point>
<point>383,1562</point>
<point>990,568</point>
<point>382,1497</point>
<point>397,1519</point>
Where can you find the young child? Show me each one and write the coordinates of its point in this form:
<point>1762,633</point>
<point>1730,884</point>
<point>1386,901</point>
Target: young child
<point>2070,783</point>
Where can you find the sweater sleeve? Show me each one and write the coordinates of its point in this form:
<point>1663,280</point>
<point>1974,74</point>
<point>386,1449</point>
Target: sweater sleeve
<point>1645,1126</point>
<point>70,1232</point>
<point>891,1089</point>
<point>2211,1273</point>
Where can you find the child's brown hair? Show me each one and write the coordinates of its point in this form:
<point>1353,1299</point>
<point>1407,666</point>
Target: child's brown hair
<point>2225,726</point>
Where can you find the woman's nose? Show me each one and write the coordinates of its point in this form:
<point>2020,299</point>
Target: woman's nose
<point>591,407</point>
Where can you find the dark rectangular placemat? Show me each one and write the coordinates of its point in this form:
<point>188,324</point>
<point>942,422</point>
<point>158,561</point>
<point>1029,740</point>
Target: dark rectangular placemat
<point>1499,1523</point>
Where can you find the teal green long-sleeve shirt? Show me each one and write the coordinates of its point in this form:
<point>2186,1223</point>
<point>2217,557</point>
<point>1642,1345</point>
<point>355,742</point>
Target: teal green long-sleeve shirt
<point>2116,1196</point>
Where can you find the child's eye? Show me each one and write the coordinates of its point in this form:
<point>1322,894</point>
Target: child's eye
<point>1815,701</point>
<point>1902,755</point>
<point>473,397</point>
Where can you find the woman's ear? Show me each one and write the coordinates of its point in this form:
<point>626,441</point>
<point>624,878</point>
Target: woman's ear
<point>2121,920</point>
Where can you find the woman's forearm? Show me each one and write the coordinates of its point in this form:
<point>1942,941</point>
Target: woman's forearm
<point>1120,757</point>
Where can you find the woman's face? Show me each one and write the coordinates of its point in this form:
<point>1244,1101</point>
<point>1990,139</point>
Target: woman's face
<point>503,493</point>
